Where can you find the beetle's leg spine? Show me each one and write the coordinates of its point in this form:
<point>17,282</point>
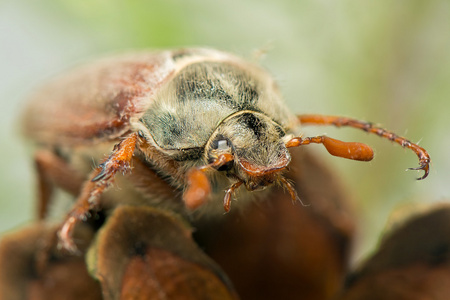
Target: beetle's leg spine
<point>99,180</point>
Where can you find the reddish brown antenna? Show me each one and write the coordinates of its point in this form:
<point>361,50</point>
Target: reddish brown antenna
<point>422,154</point>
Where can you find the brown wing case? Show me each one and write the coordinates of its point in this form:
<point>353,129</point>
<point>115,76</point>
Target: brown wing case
<point>96,102</point>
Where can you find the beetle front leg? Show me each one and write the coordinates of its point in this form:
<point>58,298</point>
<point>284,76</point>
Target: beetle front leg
<point>99,180</point>
<point>422,154</point>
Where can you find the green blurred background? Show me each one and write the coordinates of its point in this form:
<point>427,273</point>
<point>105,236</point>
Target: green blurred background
<point>383,61</point>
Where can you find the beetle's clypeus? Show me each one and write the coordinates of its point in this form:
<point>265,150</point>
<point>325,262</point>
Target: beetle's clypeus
<point>200,120</point>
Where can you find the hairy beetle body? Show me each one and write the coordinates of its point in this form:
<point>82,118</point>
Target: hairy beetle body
<point>191,122</point>
<point>175,99</point>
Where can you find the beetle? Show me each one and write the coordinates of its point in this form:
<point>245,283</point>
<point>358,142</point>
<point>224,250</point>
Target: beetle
<point>198,119</point>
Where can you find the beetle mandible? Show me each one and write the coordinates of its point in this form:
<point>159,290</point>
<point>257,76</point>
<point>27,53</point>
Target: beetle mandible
<point>198,119</point>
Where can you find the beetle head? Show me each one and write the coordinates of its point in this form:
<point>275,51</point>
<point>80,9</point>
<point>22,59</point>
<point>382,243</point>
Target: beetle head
<point>255,142</point>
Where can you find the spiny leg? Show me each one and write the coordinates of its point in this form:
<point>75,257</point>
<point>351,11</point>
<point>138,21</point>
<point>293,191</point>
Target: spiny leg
<point>424,157</point>
<point>198,186</point>
<point>99,180</point>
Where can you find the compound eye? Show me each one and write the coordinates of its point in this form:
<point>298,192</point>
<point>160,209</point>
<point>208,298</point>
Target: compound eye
<point>219,146</point>
<point>222,145</point>
<point>141,134</point>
